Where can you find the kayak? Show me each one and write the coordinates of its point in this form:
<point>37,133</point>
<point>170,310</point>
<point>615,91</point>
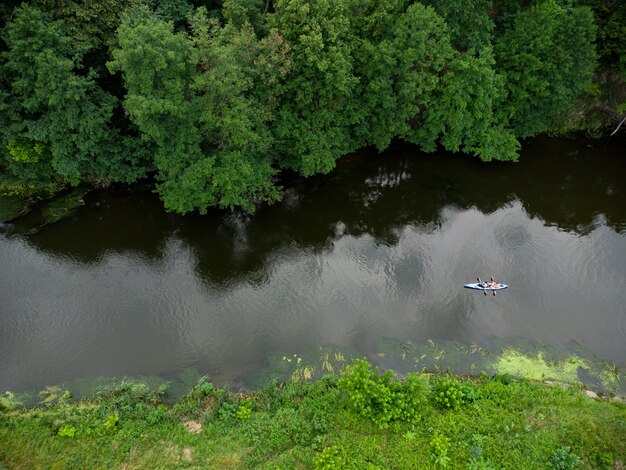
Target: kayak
<point>483,286</point>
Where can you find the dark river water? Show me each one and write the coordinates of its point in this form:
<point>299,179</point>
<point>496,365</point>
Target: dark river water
<point>379,248</point>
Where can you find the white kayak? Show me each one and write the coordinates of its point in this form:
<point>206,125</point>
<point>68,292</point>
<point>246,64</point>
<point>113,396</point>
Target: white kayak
<point>485,286</point>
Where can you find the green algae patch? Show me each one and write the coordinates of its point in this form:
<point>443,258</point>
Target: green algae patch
<point>520,358</point>
<point>516,363</point>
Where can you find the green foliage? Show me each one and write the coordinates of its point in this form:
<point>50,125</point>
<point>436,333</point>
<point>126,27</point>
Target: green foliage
<point>111,421</point>
<point>128,398</point>
<point>241,13</point>
<point>547,59</point>
<point>564,459</point>
<point>193,98</point>
<point>477,460</point>
<point>57,119</point>
<point>480,464</point>
<point>54,396</point>
<point>191,403</point>
<point>439,447</point>
<point>9,401</point>
<point>312,127</point>
<point>89,24</point>
<point>331,458</point>
<point>462,116</point>
<point>221,96</point>
<point>67,430</point>
<point>451,394</point>
<point>306,425</point>
<point>469,21</point>
<point>175,11</point>
<point>399,62</point>
<point>244,411</point>
<point>610,17</point>
<point>382,399</point>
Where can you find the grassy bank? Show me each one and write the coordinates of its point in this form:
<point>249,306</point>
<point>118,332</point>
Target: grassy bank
<point>360,420</point>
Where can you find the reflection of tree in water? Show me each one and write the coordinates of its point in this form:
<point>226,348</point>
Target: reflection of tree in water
<point>564,183</point>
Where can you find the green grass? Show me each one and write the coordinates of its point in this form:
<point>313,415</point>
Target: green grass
<point>500,423</point>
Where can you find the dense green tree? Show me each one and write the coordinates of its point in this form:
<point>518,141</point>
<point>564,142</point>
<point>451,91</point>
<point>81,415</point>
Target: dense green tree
<point>461,115</point>
<point>88,24</point>
<point>193,97</point>
<point>241,13</point>
<point>398,56</point>
<point>610,16</point>
<point>236,73</point>
<point>547,59</point>
<point>468,20</point>
<point>312,128</point>
<point>221,95</point>
<point>57,122</point>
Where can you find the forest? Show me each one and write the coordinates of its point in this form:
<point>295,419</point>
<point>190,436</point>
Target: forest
<point>211,101</point>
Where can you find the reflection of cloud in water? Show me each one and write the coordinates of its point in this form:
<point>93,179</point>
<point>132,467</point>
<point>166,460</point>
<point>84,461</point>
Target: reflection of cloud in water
<point>383,180</point>
<point>128,315</point>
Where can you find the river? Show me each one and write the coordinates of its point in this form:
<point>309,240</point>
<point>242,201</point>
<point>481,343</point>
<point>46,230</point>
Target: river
<point>380,248</point>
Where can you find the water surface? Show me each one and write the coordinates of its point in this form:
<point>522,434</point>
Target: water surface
<point>380,248</point>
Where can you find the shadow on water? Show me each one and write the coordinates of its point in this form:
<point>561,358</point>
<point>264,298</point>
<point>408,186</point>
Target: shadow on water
<point>571,185</point>
<point>378,248</point>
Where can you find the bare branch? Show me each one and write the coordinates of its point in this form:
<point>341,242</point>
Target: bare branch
<point>619,125</point>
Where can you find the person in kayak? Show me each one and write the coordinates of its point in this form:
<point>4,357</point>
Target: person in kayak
<point>493,284</point>
<point>483,284</point>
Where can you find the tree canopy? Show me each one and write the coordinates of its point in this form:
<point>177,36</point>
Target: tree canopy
<point>212,99</point>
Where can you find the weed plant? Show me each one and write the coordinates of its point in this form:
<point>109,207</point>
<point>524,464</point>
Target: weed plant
<point>362,420</point>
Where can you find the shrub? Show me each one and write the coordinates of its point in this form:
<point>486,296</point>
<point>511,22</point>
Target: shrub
<point>383,399</point>
<point>191,402</point>
<point>67,431</point>
<point>129,398</point>
<point>245,408</point>
<point>331,458</point>
<point>564,459</point>
<point>506,378</point>
<point>439,446</point>
<point>480,463</point>
<point>111,421</point>
<point>268,434</point>
<point>449,394</point>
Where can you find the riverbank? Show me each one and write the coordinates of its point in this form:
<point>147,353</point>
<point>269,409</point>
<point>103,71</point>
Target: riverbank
<point>360,420</point>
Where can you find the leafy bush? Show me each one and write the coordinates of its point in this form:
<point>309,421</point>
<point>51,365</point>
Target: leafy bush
<point>331,458</point>
<point>477,460</point>
<point>506,378</point>
<point>67,431</point>
<point>469,393</point>
<point>439,446</point>
<point>480,463</point>
<point>564,459</point>
<point>192,401</point>
<point>129,398</point>
<point>245,408</point>
<point>268,434</point>
<point>497,392</point>
<point>111,421</point>
<point>450,394</point>
<point>382,399</point>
